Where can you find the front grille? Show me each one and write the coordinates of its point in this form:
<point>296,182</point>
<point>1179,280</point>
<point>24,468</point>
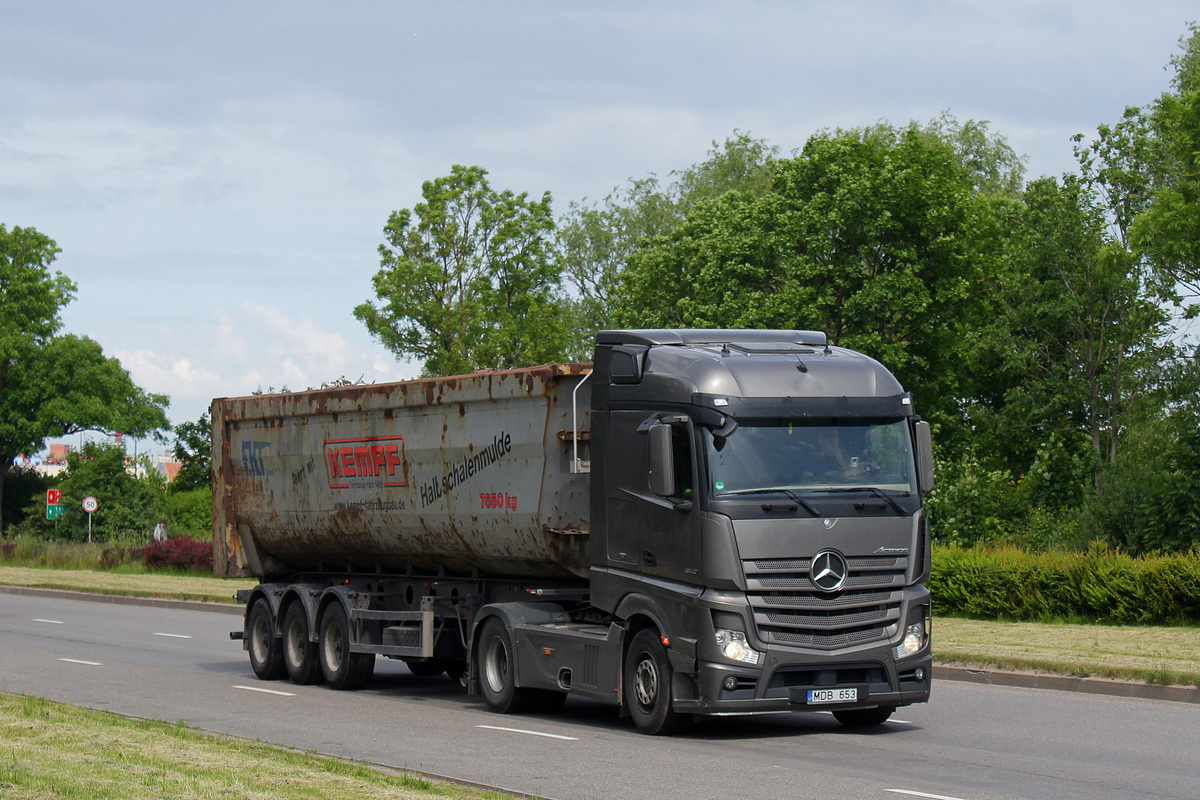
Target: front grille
<point>789,609</point>
<point>844,676</point>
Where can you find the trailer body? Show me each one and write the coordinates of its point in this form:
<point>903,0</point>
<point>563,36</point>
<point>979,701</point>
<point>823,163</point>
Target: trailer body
<point>699,522</point>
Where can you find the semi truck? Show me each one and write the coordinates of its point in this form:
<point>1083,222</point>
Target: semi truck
<point>698,522</point>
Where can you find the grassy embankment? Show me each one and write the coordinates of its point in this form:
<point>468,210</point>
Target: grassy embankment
<point>1167,655</point>
<point>61,751</point>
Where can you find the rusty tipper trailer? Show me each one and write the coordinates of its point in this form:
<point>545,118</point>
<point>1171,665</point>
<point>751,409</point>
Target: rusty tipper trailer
<point>703,522</point>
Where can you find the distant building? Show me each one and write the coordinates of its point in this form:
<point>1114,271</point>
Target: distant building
<point>55,464</point>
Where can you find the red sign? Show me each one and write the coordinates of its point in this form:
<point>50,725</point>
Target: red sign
<point>53,496</point>
<point>372,461</point>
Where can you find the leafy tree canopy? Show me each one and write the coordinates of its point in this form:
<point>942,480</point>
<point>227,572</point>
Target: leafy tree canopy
<point>54,384</point>
<point>128,505</point>
<point>883,237</point>
<point>466,281</point>
<point>1168,231</point>
<point>596,241</point>
<point>193,450</point>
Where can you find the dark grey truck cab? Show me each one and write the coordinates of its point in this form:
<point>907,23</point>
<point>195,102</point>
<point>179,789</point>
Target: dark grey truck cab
<point>758,495</point>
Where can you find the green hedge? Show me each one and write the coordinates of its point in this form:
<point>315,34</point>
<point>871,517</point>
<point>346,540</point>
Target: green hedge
<point>1100,584</point>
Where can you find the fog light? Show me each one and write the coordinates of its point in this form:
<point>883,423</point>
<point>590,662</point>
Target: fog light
<point>919,673</point>
<point>733,645</point>
<point>729,684</point>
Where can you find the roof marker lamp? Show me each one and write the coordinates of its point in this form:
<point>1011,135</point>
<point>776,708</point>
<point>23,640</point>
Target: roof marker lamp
<point>733,645</point>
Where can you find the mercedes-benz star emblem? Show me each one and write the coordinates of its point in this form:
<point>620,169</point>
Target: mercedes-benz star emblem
<point>829,571</point>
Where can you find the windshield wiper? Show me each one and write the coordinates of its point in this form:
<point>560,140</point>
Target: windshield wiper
<point>786,492</point>
<point>875,490</point>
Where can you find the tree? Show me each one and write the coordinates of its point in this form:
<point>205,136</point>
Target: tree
<point>127,504</point>
<point>193,450</point>
<point>878,236</point>
<point>1168,230</point>
<point>466,279</point>
<point>55,384</point>
<point>1083,339</point>
<point>595,242</point>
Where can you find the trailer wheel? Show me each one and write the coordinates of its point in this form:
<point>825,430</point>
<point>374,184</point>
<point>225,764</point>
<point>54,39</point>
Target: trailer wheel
<point>497,678</point>
<point>300,655</point>
<point>864,717</point>
<point>343,669</point>
<point>266,653</point>
<point>648,685</point>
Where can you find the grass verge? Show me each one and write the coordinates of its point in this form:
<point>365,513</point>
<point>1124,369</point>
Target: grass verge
<point>1165,655</point>
<point>62,751</point>
<point>145,584</point>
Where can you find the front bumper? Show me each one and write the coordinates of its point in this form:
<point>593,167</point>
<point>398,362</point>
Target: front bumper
<point>783,684</point>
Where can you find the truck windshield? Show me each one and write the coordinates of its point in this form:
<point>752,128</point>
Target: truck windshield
<point>787,456</point>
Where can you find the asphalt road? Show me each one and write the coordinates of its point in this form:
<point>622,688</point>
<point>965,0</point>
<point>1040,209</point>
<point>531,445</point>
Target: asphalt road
<point>972,742</point>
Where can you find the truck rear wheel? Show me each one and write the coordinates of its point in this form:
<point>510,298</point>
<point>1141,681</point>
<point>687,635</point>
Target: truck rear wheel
<point>864,717</point>
<point>300,655</point>
<point>266,652</point>
<point>648,685</point>
<point>497,673</point>
<point>343,669</point>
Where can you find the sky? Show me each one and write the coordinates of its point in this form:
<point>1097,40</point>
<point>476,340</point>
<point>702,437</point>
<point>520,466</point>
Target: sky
<point>218,175</point>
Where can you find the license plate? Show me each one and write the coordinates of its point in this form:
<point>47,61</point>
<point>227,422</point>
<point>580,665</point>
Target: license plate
<point>833,695</point>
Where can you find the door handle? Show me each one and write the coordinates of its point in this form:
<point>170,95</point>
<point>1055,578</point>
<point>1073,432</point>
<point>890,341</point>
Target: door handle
<point>648,559</point>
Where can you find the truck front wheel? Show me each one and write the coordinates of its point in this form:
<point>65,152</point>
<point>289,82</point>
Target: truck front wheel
<point>497,670</point>
<point>342,668</point>
<point>648,685</point>
<point>266,653</point>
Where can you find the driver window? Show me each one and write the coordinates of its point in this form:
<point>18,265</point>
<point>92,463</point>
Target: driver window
<point>681,452</point>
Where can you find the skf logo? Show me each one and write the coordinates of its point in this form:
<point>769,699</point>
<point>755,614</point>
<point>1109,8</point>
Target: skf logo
<point>364,462</point>
<point>252,458</point>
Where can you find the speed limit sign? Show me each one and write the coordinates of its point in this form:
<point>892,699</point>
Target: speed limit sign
<point>90,504</point>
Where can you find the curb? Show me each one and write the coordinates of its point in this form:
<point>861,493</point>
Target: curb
<point>121,600</point>
<point>1068,683</point>
<point>944,672</point>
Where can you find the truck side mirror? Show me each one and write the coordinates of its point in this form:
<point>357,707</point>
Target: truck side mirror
<point>924,447</point>
<point>662,461</point>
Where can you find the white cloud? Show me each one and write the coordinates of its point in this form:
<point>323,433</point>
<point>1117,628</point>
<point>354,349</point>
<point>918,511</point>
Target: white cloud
<point>253,346</point>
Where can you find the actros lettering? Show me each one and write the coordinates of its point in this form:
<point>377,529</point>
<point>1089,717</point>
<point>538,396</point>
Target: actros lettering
<point>373,461</point>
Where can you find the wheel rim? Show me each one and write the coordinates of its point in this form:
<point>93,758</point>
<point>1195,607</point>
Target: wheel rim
<point>295,638</point>
<point>645,681</point>
<point>496,665</point>
<point>260,638</point>
<point>333,646</point>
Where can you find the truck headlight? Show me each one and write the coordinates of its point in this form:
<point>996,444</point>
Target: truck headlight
<point>733,645</point>
<point>916,636</point>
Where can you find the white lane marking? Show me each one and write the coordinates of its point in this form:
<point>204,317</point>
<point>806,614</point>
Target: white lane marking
<point>266,691</point>
<point>173,635</point>
<point>922,794</point>
<point>51,621</point>
<point>85,663</point>
<point>529,733</point>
